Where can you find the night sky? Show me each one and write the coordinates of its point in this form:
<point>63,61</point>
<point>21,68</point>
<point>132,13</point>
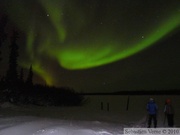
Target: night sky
<point>97,45</point>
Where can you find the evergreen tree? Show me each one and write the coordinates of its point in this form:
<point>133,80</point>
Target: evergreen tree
<point>21,76</point>
<point>3,22</point>
<point>29,80</point>
<point>12,75</point>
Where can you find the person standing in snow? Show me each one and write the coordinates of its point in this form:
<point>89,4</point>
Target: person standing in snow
<point>152,111</point>
<point>169,112</point>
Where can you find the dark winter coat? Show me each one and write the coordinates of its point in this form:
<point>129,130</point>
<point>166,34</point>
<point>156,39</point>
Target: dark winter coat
<point>152,107</point>
<point>168,109</point>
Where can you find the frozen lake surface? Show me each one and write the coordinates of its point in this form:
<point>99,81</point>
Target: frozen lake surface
<point>33,120</point>
<point>85,120</point>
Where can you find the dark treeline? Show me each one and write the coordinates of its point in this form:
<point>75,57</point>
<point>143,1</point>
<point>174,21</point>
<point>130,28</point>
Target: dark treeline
<point>39,95</point>
<point>14,88</point>
<point>139,92</point>
<point>150,92</point>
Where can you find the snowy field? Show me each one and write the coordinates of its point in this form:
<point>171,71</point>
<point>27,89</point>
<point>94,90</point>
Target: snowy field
<point>32,120</point>
<point>86,120</point>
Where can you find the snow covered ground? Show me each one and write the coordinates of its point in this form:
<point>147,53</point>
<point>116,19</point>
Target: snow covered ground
<point>24,125</point>
<point>34,120</point>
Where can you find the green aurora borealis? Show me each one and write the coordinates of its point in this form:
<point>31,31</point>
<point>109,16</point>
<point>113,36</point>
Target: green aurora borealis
<point>84,34</point>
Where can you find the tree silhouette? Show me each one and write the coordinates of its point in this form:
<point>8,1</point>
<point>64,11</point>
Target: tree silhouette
<point>29,80</point>
<point>12,75</point>
<point>21,76</point>
<point>3,22</point>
